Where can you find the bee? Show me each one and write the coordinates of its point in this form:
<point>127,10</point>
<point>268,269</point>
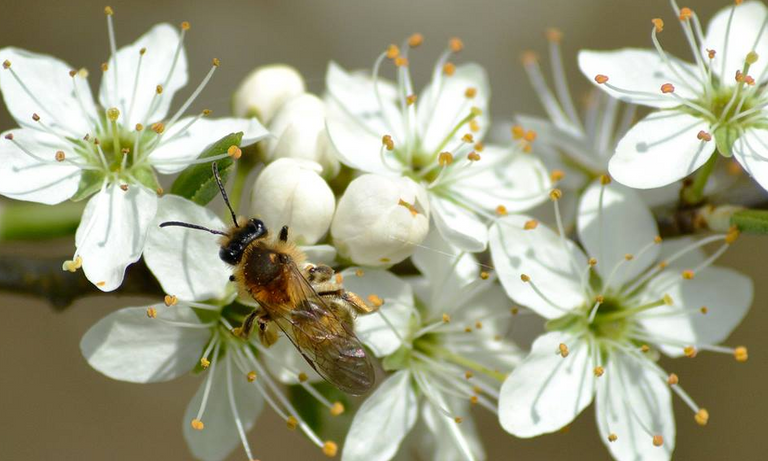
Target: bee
<point>305,301</point>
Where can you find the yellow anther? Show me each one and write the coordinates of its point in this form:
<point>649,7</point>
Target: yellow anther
<point>446,318</point>
<point>124,187</point>
<point>703,310</point>
<point>689,351</point>
<point>330,449</point>
<point>688,274</point>
<point>468,374</point>
<point>359,272</point>
<point>387,141</point>
<point>554,35</point>
<point>151,312</point>
<point>35,117</point>
<point>393,51</point>
<point>445,158</point>
<point>658,24</point>
<point>206,112</point>
<point>599,299</point>
<point>470,92</point>
<point>205,363</point>
<point>663,264</point>
<point>60,156</point>
<point>704,136</point>
<point>740,354</point>
<point>72,73</point>
<point>449,68</point>
<point>158,127</point>
<point>556,194</point>
<point>529,57</point>
<point>234,152</point>
<point>749,80</point>
<point>468,138</point>
<point>484,276</point>
<point>479,146</point>
<point>185,25</point>
<point>525,278</point>
<point>514,311</point>
<point>479,325</point>
<point>592,262</point>
<point>672,379</point>
<point>599,371</point>
<point>415,40</point>
<point>216,62</point>
<point>410,207</point>
<point>600,78</point>
<point>384,260</point>
<point>159,191</point>
<point>139,127</point>
<point>563,350</point>
<point>473,400</point>
<point>170,300</point>
<point>668,300</point>
<point>72,265</point>
<point>125,151</point>
<point>251,376</point>
<point>455,44</point>
<point>738,2</point>
<point>458,419</point>
<point>701,417</point>
<point>531,224</point>
<point>410,99</point>
<point>685,13</point>
<point>667,88</point>
<point>375,300</point>
<point>401,61</point>
<point>612,437</point>
<point>658,440</point>
<point>751,58</point>
<point>159,89</point>
<point>732,235</point>
<point>337,408</point>
<point>109,11</point>
<point>657,240</point>
<point>645,348</point>
<point>6,64</point>
<point>629,257</point>
<point>292,422</point>
<point>468,330</point>
<point>739,76</point>
<point>197,425</point>
<point>142,51</point>
<point>711,53</point>
<point>605,179</point>
<point>473,157</point>
<point>303,377</point>
<point>501,210</point>
<point>104,67</point>
<point>557,175</point>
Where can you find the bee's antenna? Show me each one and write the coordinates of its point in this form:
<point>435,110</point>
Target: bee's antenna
<point>215,169</point>
<point>191,226</point>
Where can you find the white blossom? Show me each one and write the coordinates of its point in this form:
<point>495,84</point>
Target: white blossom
<point>264,91</point>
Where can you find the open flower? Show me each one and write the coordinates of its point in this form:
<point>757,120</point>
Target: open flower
<point>191,332</point>
<point>611,311</point>
<point>442,337</point>
<point>718,102</point>
<point>68,147</point>
<point>435,139</point>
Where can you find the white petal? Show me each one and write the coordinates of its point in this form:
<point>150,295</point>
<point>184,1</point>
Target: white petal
<point>220,436</point>
<point>540,254</point>
<point>397,295</point>
<point>547,391</point>
<point>518,181</point>
<point>628,394</point>
<point>660,149</point>
<point>457,224</point>
<point>442,106</point>
<point>23,177</point>
<point>112,232</point>
<point>320,254</point>
<point>687,260</point>
<point>725,293</point>
<point>443,439</point>
<point>285,362</point>
<point>186,261</point>
<point>641,70</point>
<point>623,225</point>
<point>751,150</point>
<point>161,43</point>
<point>747,26</point>
<point>129,346</point>
<point>383,421</point>
<point>265,90</point>
<point>48,80</point>
<point>357,120</point>
<point>179,147</point>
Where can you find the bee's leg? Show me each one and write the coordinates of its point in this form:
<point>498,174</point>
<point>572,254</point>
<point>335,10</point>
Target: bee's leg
<point>358,304</point>
<point>267,331</point>
<point>244,331</point>
<point>316,275</point>
<point>284,234</point>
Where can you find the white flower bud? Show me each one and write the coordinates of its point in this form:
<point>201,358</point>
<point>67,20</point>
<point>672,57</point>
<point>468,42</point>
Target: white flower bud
<point>299,132</point>
<point>380,220</point>
<point>265,90</point>
<point>291,193</point>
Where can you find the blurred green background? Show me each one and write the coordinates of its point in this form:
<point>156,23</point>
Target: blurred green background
<point>53,405</point>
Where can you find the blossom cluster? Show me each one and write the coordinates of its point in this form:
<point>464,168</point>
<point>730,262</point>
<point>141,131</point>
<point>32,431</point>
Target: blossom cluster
<point>426,214</point>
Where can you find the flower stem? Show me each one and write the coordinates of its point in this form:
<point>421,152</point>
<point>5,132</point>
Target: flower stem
<point>694,193</point>
<point>463,361</point>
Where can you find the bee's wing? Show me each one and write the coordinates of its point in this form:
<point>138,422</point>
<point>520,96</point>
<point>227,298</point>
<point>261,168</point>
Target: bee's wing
<point>325,341</point>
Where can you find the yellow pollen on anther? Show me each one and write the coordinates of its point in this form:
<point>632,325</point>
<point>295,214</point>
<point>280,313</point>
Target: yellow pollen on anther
<point>701,417</point>
<point>557,175</point>
<point>104,67</point>
<point>740,354</point>
<point>501,210</point>
<point>605,179</point>
<point>72,265</point>
<point>468,330</point>
<point>663,264</point>
<point>689,351</point>
<point>205,363</point>
<point>685,14</point>
<point>337,408</point>
<point>657,240</point>
<point>629,257</point>
<point>514,311</point>
<point>446,318</point>
<point>415,40</point>
<point>563,350</point>
<point>658,23</point>
<point>159,191</point>
<point>159,89</point>
<point>554,35</point>
<point>484,276</point>
<point>197,425</point>
<point>393,51</point>
<point>72,73</point>
<point>600,299</point>
<point>518,132</point>
<point>473,400</point>
<point>375,300</point>
<point>531,224</point>
<point>468,374</point>
<point>556,194</point>
<point>474,126</point>
<point>592,262</point>
<point>711,53</point>
<point>292,422</point>
<point>599,371</point>
<point>479,146</point>
<point>470,92</point>
<point>303,377</point>
<point>468,138</point>
<point>455,44</point>
<point>35,117</point>
<point>444,158</point>
<point>704,310</point>
<point>667,88</point>
<point>185,25</point>
<point>672,379</point>
<point>529,57</point>
<point>139,127</point>
<point>158,127</point>
<point>330,449</point>
<point>458,419</point>
<point>151,312</point>
<point>479,325</point>
<point>6,64</point>
<point>668,299</point>
<point>525,278</point>
<point>410,99</point>
<point>658,440</point>
<point>612,437</point>
<point>170,300</point>
<point>387,141</point>
<point>60,156</point>
<point>401,61</point>
<point>600,78</point>
<point>449,68</point>
<point>530,136</point>
<point>234,152</point>
<point>216,62</point>
<point>644,348</point>
<point>473,157</point>
<point>206,112</point>
<point>109,11</point>
<point>359,272</point>
<point>688,274</point>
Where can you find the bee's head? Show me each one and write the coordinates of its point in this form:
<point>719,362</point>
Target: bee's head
<point>231,251</point>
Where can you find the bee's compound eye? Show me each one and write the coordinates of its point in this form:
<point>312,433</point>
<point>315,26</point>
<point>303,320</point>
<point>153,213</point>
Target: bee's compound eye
<point>230,255</point>
<point>256,225</point>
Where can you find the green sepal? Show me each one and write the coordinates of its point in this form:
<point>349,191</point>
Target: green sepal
<point>751,221</point>
<point>90,183</point>
<point>398,360</point>
<point>197,182</point>
<point>561,323</point>
<point>147,177</point>
<point>725,136</point>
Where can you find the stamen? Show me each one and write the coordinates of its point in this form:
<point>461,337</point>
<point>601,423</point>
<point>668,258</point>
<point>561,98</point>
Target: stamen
<point>233,407</point>
<point>113,49</point>
<point>207,387</point>
<point>196,93</point>
<point>554,37</point>
<point>330,449</point>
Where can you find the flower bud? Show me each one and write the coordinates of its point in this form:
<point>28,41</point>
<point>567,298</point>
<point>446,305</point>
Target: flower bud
<point>265,90</point>
<point>291,193</point>
<point>380,220</point>
<point>299,132</point>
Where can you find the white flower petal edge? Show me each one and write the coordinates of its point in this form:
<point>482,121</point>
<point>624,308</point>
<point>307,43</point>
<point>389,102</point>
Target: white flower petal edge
<point>747,19</point>
<point>613,222</point>
<point>382,421</point>
<point>112,232</point>
<point>129,346</point>
<point>751,151</point>
<point>547,391</point>
<point>231,392</point>
<point>661,149</point>
<point>458,225</point>
<point>186,261</point>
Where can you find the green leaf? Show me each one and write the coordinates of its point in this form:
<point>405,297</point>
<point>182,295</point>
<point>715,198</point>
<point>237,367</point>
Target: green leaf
<point>90,183</point>
<point>197,182</point>
<point>725,136</point>
<point>751,221</point>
